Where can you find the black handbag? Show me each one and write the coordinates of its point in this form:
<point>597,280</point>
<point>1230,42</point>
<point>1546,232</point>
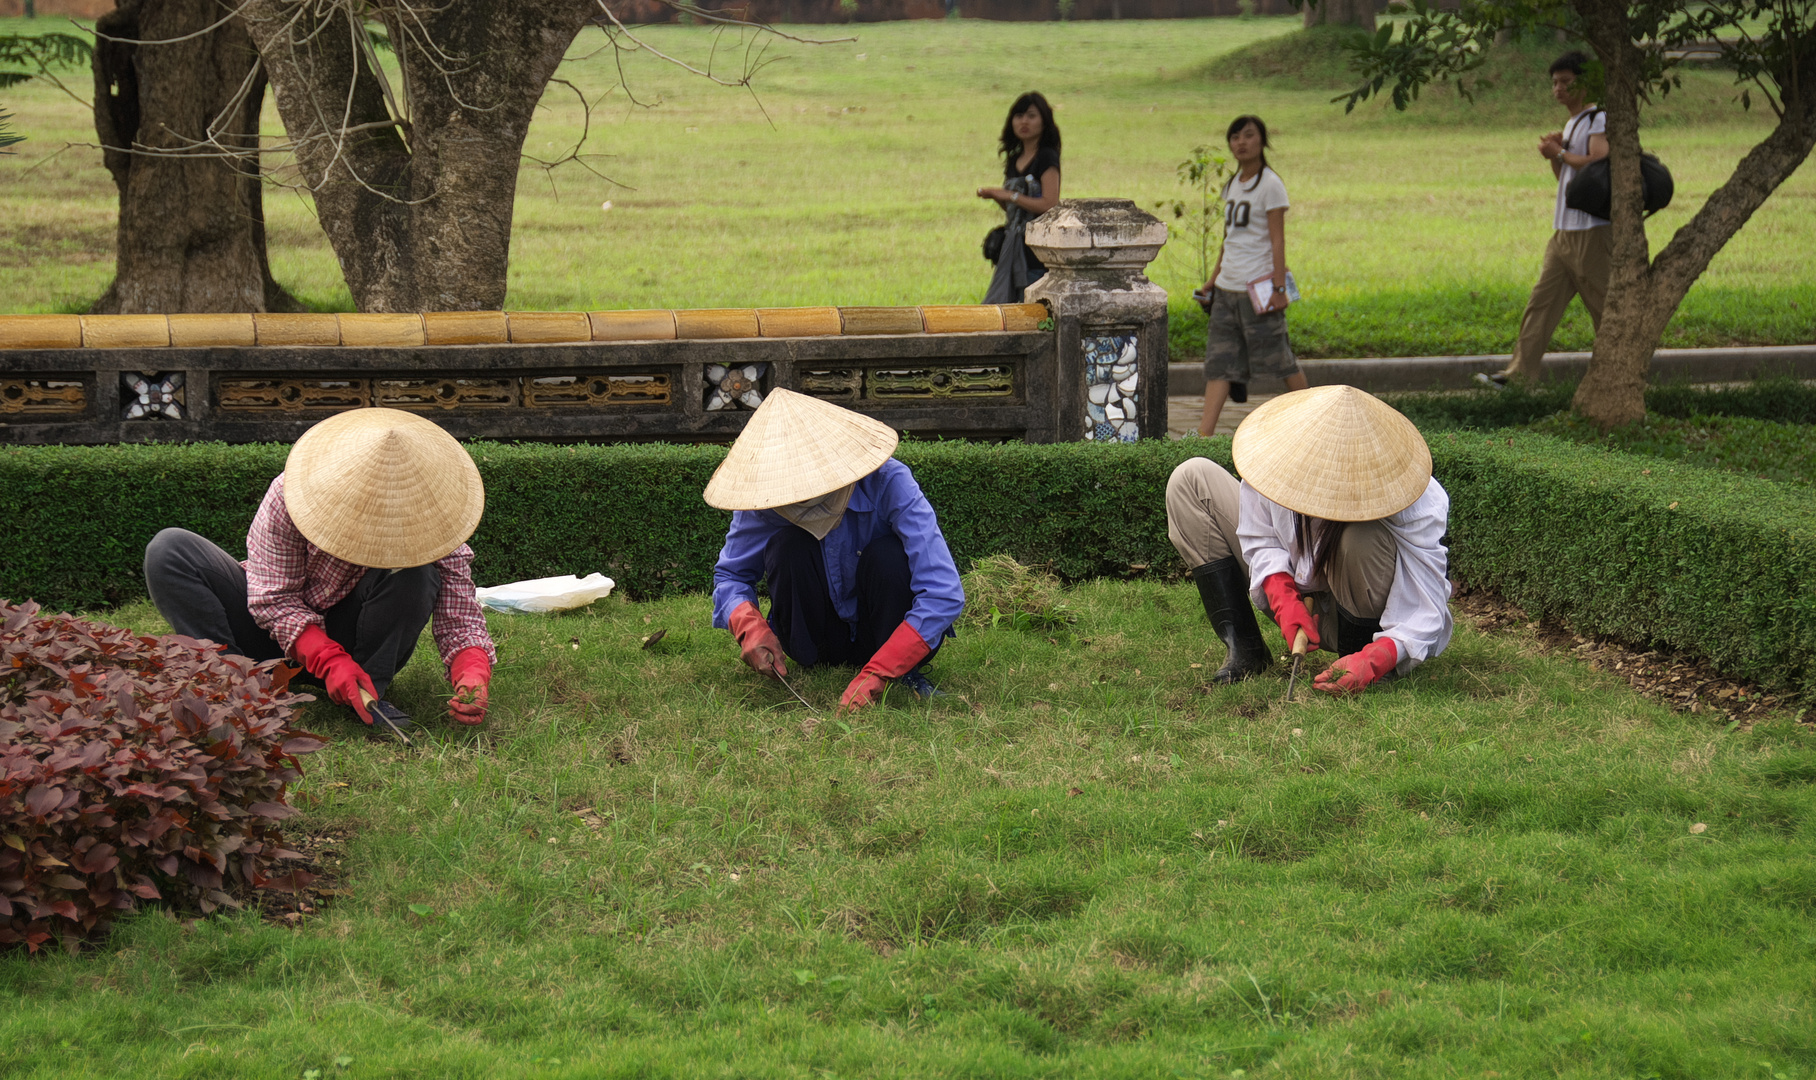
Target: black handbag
<point>1591,190</point>
<point>993,243</point>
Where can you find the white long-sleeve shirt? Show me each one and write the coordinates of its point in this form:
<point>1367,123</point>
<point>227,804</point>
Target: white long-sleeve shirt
<point>1417,615</point>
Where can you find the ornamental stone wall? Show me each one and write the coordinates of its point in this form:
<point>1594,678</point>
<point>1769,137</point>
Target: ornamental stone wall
<point>1086,359</point>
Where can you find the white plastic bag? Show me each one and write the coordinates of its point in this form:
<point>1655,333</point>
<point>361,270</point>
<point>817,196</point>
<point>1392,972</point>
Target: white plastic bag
<point>546,594</point>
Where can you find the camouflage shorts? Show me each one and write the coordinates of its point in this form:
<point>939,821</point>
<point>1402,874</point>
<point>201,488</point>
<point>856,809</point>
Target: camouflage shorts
<point>1241,345</point>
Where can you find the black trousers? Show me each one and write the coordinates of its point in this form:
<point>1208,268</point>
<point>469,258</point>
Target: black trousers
<point>201,591</point>
<point>800,600</point>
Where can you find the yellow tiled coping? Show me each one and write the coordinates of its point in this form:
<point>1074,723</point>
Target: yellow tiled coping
<point>500,327</point>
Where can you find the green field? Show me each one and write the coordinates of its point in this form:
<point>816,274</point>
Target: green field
<point>1412,233</point>
<point>1082,864</point>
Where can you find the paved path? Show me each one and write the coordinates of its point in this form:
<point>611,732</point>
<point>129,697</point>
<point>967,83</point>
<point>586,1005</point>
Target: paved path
<point>1183,414</point>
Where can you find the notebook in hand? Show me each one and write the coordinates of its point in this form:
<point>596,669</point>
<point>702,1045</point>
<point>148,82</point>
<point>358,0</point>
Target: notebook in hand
<point>1261,290</point>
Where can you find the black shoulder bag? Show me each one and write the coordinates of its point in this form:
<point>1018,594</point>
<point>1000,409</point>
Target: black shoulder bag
<point>1591,190</point>
<point>993,243</point>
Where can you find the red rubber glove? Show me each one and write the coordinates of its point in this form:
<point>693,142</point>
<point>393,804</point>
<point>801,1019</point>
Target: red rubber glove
<point>327,661</point>
<point>1358,669</point>
<point>896,658</point>
<point>471,674</point>
<point>1289,609</point>
<point>762,649</point>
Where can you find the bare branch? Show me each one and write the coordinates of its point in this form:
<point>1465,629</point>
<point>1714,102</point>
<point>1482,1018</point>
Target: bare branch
<point>705,73</point>
<point>706,15</point>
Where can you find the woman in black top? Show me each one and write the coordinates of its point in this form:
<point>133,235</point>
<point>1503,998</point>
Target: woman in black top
<point>1030,150</point>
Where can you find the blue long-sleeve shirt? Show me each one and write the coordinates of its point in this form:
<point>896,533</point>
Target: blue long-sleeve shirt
<point>886,500</point>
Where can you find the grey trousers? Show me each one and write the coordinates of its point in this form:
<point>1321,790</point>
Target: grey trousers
<point>1203,505</point>
<point>201,591</point>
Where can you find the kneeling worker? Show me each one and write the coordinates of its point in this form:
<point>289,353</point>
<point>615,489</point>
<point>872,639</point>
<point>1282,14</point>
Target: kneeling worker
<point>1337,528</point>
<point>857,569</point>
<point>360,541</point>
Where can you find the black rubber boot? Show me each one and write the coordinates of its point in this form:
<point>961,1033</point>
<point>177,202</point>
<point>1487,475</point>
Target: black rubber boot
<point>1354,634</point>
<point>1224,589</point>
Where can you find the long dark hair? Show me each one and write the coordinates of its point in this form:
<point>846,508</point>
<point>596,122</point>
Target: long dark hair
<point>1049,131</point>
<point>1261,126</point>
<point>1319,538</point>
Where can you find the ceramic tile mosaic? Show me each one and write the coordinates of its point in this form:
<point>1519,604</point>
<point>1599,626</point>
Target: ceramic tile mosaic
<point>147,395</point>
<point>728,387</point>
<point>1112,389</point>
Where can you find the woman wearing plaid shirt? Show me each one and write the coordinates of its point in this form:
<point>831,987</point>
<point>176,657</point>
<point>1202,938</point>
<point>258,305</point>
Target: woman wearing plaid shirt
<point>344,569</point>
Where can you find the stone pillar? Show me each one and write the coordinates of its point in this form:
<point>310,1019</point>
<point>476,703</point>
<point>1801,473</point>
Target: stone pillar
<point>1111,320</point>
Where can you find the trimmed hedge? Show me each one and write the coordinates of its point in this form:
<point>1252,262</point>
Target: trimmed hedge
<point>1779,398</point>
<point>1721,565</point>
<point>74,521</point>
<point>1639,548</point>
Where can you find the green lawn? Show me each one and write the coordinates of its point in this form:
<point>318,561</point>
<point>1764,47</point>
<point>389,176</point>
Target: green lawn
<point>1411,233</point>
<point>652,863</point>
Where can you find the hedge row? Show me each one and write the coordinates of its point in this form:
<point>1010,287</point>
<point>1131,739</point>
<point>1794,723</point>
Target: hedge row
<point>1721,565</point>
<point>1639,548</point>
<point>74,521</point>
<point>1780,398</point>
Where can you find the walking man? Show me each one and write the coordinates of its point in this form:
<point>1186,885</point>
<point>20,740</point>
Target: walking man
<point>1576,259</point>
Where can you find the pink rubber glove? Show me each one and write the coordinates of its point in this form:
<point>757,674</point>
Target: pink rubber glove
<point>762,649</point>
<point>1358,669</point>
<point>327,661</point>
<point>1289,609</point>
<point>896,658</point>
<point>471,674</point>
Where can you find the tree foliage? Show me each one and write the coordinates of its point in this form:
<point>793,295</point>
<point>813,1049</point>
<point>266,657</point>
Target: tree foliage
<point>40,56</point>
<point>1640,48</point>
<point>1768,44</point>
<point>24,57</point>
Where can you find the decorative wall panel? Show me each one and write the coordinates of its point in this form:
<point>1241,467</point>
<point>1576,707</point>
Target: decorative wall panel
<point>42,396</point>
<point>1112,389</point>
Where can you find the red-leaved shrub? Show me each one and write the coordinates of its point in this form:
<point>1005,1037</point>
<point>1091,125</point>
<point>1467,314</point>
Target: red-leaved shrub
<point>135,767</point>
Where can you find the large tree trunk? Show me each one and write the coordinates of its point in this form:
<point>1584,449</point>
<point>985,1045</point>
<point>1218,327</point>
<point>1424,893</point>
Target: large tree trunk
<point>1642,295</point>
<point>1358,13</point>
<point>192,227</point>
<point>418,207</point>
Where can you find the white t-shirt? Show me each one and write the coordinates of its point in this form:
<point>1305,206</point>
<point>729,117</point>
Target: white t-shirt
<point>1576,141</point>
<point>1247,252</point>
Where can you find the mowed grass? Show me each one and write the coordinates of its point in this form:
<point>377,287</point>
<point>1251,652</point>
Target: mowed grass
<point>1081,863</point>
<point>848,178</point>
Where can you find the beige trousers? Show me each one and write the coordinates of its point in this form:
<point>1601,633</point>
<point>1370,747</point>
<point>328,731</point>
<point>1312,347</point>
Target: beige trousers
<point>1576,264</point>
<point>1203,505</point>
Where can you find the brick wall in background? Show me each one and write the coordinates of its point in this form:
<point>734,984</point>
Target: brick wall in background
<point>57,10</point>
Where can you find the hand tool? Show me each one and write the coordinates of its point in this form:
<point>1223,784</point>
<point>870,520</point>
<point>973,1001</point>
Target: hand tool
<point>382,710</point>
<point>1300,644</point>
<point>795,692</point>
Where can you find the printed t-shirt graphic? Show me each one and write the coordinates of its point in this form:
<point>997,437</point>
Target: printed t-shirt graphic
<point>1247,252</point>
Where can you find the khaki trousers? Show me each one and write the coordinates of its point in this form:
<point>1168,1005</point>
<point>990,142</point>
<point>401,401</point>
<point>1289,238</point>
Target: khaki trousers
<point>1576,264</point>
<point>1203,505</point>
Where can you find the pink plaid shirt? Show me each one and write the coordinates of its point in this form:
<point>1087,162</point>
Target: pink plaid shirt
<point>291,582</point>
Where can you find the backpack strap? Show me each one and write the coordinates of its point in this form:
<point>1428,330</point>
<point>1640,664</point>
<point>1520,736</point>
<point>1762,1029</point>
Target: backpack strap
<point>1587,115</point>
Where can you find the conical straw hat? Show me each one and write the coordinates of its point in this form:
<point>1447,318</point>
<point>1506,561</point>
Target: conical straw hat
<point>797,448</point>
<point>1333,452</point>
<point>382,488</point>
